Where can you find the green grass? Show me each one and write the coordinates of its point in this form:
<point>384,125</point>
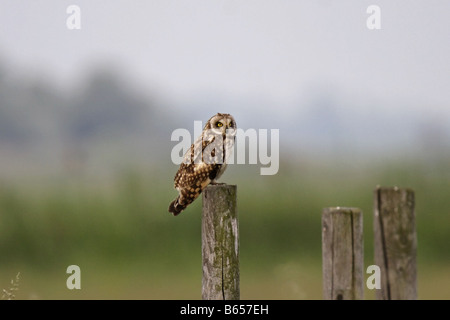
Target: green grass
<point>128,246</point>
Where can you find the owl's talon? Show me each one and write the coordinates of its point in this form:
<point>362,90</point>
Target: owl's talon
<point>217,183</point>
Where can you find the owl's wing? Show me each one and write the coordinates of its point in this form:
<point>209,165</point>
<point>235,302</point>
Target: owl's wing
<point>195,175</point>
<point>193,170</point>
<point>195,152</point>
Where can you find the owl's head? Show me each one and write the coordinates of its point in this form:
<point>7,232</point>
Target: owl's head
<point>220,123</point>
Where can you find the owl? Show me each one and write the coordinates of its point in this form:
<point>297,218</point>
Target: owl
<point>205,161</point>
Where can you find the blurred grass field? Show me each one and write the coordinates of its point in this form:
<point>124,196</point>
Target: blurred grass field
<point>118,230</point>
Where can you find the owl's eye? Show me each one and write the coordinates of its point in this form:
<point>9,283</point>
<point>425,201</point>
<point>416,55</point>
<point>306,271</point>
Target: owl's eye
<point>219,124</point>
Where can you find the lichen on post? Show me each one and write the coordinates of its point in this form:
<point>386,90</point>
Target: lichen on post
<point>220,243</point>
<point>342,253</point>
<point>395,243</point>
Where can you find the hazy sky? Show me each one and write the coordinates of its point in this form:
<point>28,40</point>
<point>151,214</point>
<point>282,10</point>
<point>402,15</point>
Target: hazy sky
<point>276,50</point>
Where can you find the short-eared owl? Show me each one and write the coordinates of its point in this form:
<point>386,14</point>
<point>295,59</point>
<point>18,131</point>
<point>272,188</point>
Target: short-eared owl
<point>205,161</point>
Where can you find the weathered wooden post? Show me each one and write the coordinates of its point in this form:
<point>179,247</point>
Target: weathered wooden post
<point>220,244</point>
<point>342,253</point>
<point>395,243</point>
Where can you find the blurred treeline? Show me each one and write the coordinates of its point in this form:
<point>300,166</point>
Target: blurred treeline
<point>86,179</point>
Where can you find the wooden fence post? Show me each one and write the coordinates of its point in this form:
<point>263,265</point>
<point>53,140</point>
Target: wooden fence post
<point>220,244</point>
<point>342,253</point>
<point>395,243</point>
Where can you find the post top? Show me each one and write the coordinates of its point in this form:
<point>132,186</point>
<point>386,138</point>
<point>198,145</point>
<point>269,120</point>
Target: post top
<point>221,185</point>
<point>347,210</point>
<point>394,189</point>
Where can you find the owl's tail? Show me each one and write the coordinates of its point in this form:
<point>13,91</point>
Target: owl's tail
<point>176,207</point>
<point>185,198</point>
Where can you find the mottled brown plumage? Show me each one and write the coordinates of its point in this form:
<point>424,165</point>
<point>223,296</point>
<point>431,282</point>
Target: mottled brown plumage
<point>205,161</point>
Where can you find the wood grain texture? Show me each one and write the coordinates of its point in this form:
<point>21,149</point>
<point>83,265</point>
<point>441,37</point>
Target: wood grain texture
<point>395,243</point>
<point>342,254</point>
<point>220,243</point>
